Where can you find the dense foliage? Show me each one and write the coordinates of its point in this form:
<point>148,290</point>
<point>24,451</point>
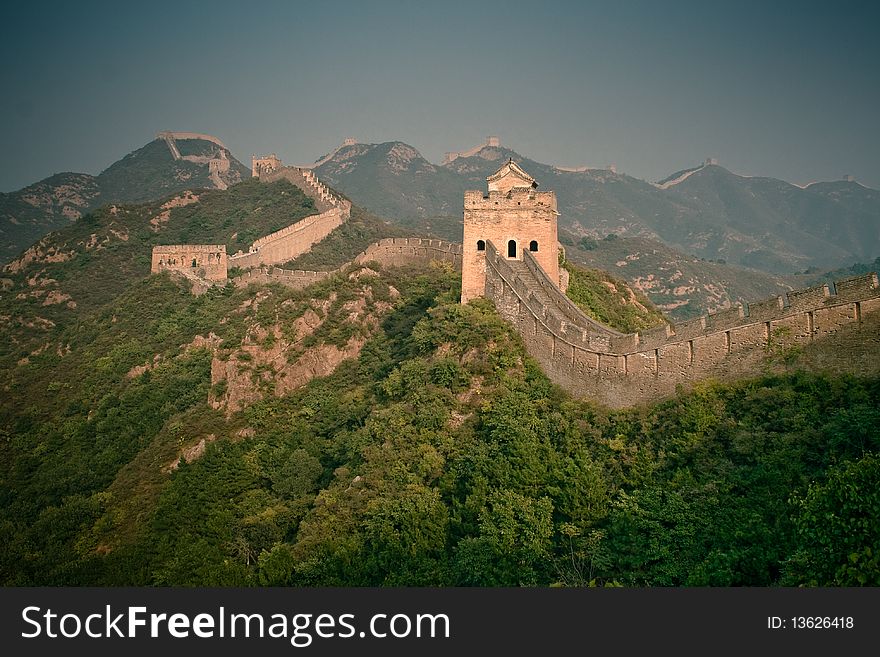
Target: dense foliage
<point>442,455</point>
<point>610,300</point>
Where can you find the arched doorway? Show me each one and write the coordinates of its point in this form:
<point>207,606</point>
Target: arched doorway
<point>481,245</point>
<point>533,246</point>
<point>511,249</point>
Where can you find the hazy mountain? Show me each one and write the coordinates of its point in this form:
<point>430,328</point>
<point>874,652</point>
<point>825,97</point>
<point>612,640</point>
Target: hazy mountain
<point>681,285</point>
<point>707,211</point>
<point>394,180</point>
<point>30,213</point>
<point>777,226</point>
<point>148,173</point>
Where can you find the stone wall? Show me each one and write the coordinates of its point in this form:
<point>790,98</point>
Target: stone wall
<point>275,248</point>
<point>291,241</point>
<point>207,261</point>
<point>399,251</point>
<point>296,239</point>
<point>389,252</point>
<point>173,134</point>
<point>295,278</point>
<point>325,199</point>
<point>590,360</point>
<point>265,164</point>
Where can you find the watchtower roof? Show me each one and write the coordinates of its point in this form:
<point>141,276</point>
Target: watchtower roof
<point>510,176</point>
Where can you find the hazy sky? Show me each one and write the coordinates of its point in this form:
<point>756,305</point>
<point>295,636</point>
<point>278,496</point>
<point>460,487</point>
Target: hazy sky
<point>790,90</point>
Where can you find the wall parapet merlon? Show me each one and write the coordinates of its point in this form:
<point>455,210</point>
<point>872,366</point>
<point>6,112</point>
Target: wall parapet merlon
<point>296,278</point>
<point>809,298</point>
<point>324,197</point>
<point>388,251</point>
<point>392,250</point>
<point>638,367</point>
<point>780,307</point>
<point>856,287</point>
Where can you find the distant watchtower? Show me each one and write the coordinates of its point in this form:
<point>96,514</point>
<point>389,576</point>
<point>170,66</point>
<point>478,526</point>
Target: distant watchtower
<point>513,216</point>
<point>264,164</point>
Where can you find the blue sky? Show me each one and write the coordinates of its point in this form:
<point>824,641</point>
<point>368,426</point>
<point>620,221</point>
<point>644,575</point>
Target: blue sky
<point>784,89</point>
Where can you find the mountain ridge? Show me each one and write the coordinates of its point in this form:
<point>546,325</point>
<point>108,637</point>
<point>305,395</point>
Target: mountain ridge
<point>709,211</point>
<point>145,174</point>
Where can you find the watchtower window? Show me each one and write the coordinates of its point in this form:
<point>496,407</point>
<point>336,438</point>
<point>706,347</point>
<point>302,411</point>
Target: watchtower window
<point>481,245</point>
<point>533,246</point>
<point>511,249</point>
<point>194,264</point>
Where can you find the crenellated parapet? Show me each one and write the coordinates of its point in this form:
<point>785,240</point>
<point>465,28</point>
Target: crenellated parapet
<point>592,360</point>
<point>295,278</point>
<point>389,252</point>
<point>325,198</point>
<point>397,251</point>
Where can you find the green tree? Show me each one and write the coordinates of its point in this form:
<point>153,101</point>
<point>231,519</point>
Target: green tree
<point>513,547</point>
<point>838,533</point>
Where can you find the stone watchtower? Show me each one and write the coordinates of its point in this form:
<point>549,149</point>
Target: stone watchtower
<point>264,164</point>
<point>513,216</point>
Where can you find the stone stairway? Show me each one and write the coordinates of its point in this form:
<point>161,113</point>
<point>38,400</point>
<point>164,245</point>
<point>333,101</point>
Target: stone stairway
<point>540,293</point>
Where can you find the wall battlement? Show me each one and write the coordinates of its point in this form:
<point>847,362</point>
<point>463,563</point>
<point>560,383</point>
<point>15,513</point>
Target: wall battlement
<point>512,200</point>
<point>397,251</point>
<point>389,252</point>
<point>591,360</point>
<point>325,198</point>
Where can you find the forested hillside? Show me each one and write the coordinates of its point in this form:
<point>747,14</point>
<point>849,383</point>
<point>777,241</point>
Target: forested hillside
<point>441,455</point>
<point>371,430</point>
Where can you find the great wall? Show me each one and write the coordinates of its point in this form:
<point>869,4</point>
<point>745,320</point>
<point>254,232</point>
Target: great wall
<point>591,360</point>
<point>218,165</point>
<point>388,252</point>
<point>580,354</point>
<point>209,263</point>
